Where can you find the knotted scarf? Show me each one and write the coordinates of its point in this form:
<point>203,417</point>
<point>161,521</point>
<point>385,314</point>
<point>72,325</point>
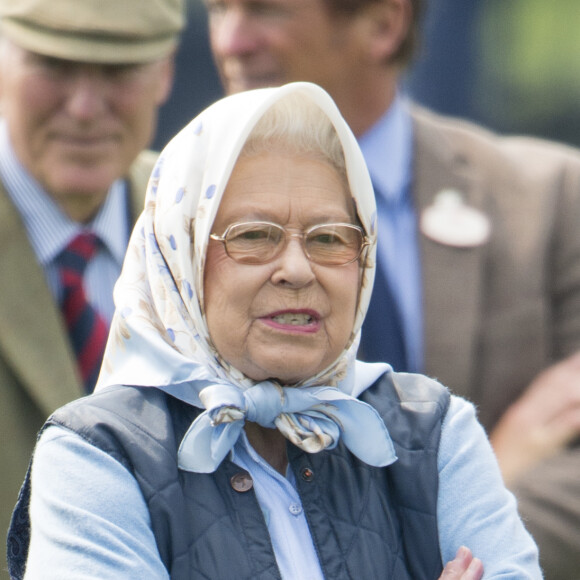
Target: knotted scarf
<point>312,418</point>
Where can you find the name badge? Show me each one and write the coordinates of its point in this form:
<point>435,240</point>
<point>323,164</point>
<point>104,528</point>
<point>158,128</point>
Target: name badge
<point>450,221</point>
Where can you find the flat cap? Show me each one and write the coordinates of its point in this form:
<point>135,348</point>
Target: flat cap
<point>99,31</point>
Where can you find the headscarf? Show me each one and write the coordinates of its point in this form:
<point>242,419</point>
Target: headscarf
<point>159,335</point>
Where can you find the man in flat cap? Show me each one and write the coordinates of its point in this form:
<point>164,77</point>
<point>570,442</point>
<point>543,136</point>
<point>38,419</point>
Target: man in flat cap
<point>80,87</point>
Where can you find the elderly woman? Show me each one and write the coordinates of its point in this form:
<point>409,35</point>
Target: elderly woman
<point>233,434</point>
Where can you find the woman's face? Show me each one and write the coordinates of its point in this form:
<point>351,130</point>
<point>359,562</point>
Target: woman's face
<point>290,318</point>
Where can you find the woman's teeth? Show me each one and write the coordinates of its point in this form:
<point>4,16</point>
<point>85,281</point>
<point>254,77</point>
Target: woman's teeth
<point>293,319</point>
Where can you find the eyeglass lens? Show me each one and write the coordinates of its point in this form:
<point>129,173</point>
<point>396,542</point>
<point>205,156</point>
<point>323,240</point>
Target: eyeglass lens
<point>326,244</point>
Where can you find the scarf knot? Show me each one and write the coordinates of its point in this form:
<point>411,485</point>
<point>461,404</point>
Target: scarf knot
<point>312,418</point>
<point>261,404</point>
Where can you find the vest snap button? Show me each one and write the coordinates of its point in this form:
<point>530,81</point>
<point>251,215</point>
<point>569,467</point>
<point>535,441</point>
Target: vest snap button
<point>307,474</point>
<point>242,482</point>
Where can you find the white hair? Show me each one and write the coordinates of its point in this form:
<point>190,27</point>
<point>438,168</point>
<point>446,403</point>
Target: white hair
<point>295,124</point>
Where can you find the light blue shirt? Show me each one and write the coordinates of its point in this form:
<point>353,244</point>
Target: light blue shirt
<point>91,521</point>
<point>388,151</point>
<point>50,230</point>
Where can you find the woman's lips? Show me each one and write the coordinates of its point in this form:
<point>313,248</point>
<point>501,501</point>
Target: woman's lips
<point>293,320</point>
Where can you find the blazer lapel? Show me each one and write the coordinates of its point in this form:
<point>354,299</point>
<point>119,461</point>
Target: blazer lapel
<point>452,277</point>
<point>32,336</point>
<point>137,182</point>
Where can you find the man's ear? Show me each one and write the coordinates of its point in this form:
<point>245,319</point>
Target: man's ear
<point>166,78</point>
<point>389,23</point>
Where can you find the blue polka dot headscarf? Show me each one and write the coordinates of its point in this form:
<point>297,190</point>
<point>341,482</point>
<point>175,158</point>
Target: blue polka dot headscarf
<point>159,335</point>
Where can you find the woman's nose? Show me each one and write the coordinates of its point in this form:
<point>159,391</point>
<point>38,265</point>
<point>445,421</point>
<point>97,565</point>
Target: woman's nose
<point>293,266</point>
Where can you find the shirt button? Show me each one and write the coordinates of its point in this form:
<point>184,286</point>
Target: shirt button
<point>242,482</point>
<point>295,509</point>
<point>307,474</point>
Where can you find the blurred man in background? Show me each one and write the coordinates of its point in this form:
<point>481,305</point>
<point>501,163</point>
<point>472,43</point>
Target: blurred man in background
<point>478,278</point>
<point>80,86</point>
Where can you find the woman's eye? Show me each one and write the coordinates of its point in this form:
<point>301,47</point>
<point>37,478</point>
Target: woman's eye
<point>324,239</point>
<point>327,239</point>
<point>253,235</point>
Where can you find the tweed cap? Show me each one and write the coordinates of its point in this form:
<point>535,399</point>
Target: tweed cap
<point>99,31</point>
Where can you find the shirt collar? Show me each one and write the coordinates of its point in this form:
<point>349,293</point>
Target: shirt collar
<point>49,229</point>
<point>388,150</point>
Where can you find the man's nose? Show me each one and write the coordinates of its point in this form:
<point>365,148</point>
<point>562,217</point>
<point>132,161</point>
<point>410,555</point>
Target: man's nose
<point>232,33</point>
<point>86,96</point>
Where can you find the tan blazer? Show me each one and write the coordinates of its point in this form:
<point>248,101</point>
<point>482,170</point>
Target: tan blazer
<point>497,314</point>
<point>37,368</point>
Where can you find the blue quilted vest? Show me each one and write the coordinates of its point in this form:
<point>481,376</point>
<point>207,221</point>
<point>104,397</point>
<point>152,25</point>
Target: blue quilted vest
<point>366,522</point>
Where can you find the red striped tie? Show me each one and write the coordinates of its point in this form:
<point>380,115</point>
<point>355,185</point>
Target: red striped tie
<point>87,329</point>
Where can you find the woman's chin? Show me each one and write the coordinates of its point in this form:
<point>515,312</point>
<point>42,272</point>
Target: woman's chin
<point>287,368</point>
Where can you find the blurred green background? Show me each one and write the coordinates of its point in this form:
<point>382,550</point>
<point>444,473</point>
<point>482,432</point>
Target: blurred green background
<point>513,65</point>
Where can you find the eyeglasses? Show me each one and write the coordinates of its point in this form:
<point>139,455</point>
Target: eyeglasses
<point>324,244</point>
